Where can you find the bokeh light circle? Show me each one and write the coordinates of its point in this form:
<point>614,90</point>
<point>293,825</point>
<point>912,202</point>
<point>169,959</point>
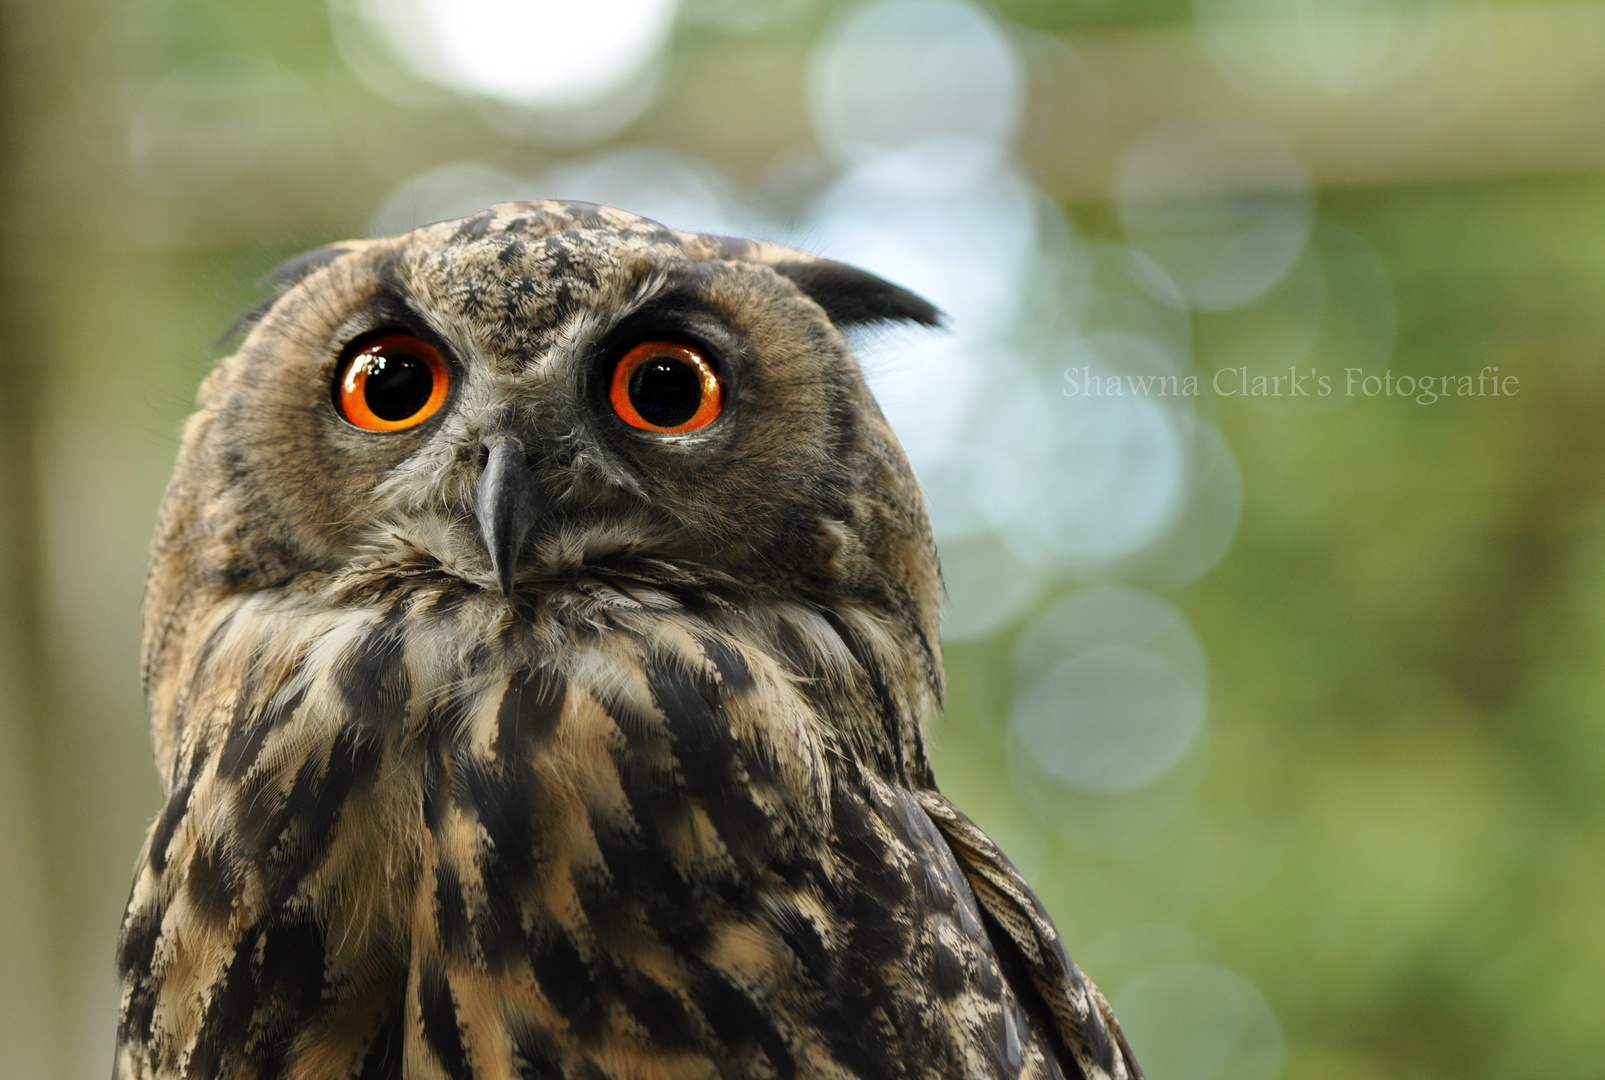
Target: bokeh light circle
<point>1128,291</point>
<point>895,73</point>
<point>1078,478</point>
<point>1109,720</point>
<point>926,389</point>
<point>1112,690</point>
<point>1202,533</point>
<point>1199,1022</point>
<point>937,218</point>
<point>1224,207</point>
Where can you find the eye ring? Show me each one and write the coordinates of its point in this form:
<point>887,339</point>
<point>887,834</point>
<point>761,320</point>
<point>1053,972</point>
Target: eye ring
<point>667,387</point>
<point>394,382</point>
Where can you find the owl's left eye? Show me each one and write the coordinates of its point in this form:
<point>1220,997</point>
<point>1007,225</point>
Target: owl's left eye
<point>666,386</point>
<point>394,382</point>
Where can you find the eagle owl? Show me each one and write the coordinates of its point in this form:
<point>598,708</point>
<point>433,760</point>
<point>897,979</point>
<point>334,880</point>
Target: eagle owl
<point>540,625</point>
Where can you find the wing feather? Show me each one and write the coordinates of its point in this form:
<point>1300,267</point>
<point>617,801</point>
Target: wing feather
<point>1084,1019</point>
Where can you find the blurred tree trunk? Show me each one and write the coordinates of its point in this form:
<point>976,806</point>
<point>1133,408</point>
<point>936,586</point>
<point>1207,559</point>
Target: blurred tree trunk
<point>31,1028</point>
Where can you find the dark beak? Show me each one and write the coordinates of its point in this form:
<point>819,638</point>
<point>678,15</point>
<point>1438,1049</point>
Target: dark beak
<point>504,507</point>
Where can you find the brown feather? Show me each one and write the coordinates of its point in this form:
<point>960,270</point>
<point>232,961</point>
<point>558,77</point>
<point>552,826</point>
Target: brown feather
<point>664,812</point>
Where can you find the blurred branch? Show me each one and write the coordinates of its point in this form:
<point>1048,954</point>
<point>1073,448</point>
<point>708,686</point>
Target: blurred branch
<point>1503,91</point>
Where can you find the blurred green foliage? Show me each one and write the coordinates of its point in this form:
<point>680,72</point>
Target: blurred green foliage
<point>1057,16</point>
<point>1398,831</point>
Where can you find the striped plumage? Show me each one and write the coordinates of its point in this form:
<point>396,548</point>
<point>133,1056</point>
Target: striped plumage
<point>662,811</point>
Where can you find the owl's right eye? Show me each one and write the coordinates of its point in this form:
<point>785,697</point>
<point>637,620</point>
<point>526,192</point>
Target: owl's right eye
<point>395,381</point>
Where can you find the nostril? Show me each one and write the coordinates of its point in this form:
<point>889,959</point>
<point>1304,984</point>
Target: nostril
<point>484,455</point>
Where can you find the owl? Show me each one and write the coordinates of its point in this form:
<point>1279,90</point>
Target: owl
<point>540,626</point>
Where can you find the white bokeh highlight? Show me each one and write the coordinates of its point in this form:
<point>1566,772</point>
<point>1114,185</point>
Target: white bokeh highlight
<point>1107,473</point>
<point>539,54</point>
<point>941,219</point>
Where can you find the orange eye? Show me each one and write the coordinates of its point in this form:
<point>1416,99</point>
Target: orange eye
<point>666,386</point>
<point>394,382</point>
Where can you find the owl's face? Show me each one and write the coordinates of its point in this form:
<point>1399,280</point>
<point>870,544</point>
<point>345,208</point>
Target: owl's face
<point>545,389</point>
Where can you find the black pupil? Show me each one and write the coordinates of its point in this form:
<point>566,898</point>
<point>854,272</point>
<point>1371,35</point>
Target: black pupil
<point>666,392</point>
<point>398,385</point>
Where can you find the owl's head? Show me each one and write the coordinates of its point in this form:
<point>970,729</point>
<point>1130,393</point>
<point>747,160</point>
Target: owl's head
<point>546,391</point>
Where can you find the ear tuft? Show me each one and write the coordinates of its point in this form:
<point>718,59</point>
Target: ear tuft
<point>296,267</point>
<point>283,277</point>
<point>854,297</point>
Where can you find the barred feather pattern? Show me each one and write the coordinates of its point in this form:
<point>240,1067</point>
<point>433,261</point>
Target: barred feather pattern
<point>409,832</point>
<point>654,805</point>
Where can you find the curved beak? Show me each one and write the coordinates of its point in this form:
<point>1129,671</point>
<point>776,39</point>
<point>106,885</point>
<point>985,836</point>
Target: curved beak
<point>504,507</point>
